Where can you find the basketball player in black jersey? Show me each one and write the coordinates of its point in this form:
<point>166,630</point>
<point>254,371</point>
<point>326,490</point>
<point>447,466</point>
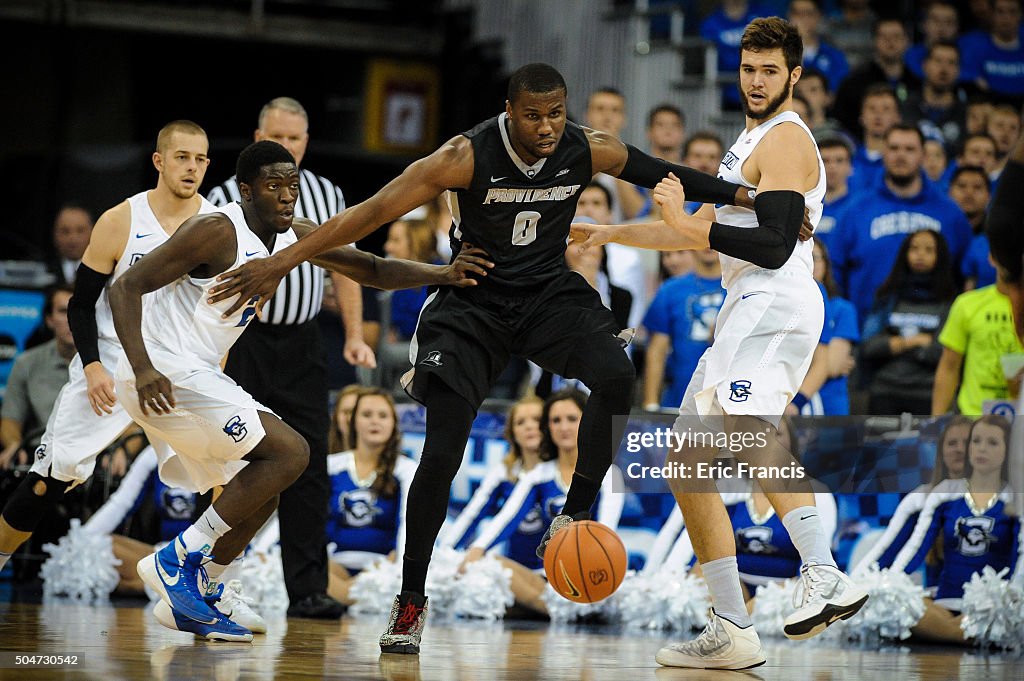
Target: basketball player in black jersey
<point>514,181</point>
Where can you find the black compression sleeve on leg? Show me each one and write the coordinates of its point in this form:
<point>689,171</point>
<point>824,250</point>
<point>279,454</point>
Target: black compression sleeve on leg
<point>647,171</point>
<point>27,506</point>
<point>82,312</point>
<point>1005,222</point>
<point>449,420</point>
<point>779,215</point>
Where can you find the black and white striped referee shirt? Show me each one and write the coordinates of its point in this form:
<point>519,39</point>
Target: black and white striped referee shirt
<point>299,295</point>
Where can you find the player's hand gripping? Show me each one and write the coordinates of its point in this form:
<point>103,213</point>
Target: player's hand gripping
<point>100,387</point>
<point>586,234</point>
<point>254,278</point>
<point>155,392</point>
<point>470,260</point>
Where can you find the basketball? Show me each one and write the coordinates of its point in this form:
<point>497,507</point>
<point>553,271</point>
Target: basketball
<point>585,562</point>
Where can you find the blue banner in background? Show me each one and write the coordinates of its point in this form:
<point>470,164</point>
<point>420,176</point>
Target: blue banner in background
<point>20,313</point>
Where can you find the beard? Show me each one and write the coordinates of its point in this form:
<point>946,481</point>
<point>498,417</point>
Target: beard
<point>770,109</point>
<point>901,180</point>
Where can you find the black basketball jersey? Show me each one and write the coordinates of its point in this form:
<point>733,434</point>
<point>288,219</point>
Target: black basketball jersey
<point>520,214</point>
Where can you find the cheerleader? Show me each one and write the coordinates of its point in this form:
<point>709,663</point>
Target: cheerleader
<point>971,520</point>
<point>369,486</point>
<point>337,437</point>
<point>949,464</point>
<point>538,497</point>
<point>523,434</point>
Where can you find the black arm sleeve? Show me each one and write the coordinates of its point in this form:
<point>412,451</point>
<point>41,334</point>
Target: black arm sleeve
<point>647,171</point>
<point>1005,223</point>
<point>82,312</point>
<point>779,215</point>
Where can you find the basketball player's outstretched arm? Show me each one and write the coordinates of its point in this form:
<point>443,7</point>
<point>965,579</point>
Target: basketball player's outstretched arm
<point>626,162</point>
<point>204,245</point>
<point>394,273</point>
<point>106,245</point>
<point>450,167</point>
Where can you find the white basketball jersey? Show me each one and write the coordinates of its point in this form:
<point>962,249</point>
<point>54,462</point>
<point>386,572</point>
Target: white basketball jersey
<point>144,235</point>
<point>731,170</point>
<point>182,330</point>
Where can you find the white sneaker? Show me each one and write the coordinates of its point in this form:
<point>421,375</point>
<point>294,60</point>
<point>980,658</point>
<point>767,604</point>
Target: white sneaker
<point>236,608</point>
<point>722,645</point>
<point>826,595</point>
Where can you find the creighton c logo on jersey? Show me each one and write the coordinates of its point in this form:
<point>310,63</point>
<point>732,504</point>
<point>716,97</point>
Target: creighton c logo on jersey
<point>757,539</point>
<point>360,506</point>
<point>532,523</point>
<point>433,359</point>
<point>739,390</point>
<point>975,534</point>
<point>236,428</point>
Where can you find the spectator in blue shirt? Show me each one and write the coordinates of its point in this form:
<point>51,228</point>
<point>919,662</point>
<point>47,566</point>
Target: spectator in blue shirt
<point>994,60</point>
<point>681,322</point>
<point>410,240</point>
<point>866,239</point>
<point>879,111</point>
<point>940,107</point>
<point>724,28</point>
<point>844,329</point>
<point>837,154</point>
<point>978,150</point>
<point>806,16</point>
<point>941,23</point>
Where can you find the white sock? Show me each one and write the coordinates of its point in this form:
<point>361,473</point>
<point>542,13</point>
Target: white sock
<point>4,557</point>
<point>233,570</point>
<point>808,536</point>
<point>205,532</point>
<point>723,579</point>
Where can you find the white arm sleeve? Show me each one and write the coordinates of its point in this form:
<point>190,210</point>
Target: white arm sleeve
<point>663,543</point>
<point>519,496</point>
<point>405,469</point>
<point>613,496</point>
<point>454,532</point>
<point>112,513</point>
<point>944,491</point>
<point>908,506</point>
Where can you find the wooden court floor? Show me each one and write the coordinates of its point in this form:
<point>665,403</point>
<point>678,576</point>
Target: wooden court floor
<point>115,643</point>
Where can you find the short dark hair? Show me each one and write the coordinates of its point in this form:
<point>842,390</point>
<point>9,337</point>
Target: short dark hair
<point>941,43</point>
<point>257,155</point>
<point>906,127</point>
<point>836,140</point>
<point>770,33</point>
<point>879,90</point>
<point>962,147</point>
<point>607,90</point>
<point>811,72</point>
<point>967,170</point>
<point>607,193</point>
<point>51,293</point>
<point>666,108</point>
<point>888,19</point>
<point>702,136</point>
<point>535,78</point>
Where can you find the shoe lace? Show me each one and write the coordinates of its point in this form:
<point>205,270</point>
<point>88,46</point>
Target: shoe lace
<point>233,592</point>
<point>407,618</point>
<point>709,639</point>
<point>809,586</point>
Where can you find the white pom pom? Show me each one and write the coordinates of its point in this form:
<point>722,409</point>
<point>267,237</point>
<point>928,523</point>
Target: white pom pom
<point>636,604</point>
<point>993,610</point>
<point>773,601</point>
<point>484,591</point>
<point>895,605</point>
<point>81,566</point>
<point>375,588</point>
<point>563,611</point>
<point>687,600</point>
<point>442,581</point>
<point>263,577</point>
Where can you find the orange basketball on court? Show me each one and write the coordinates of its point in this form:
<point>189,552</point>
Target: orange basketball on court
<point>585,561</point>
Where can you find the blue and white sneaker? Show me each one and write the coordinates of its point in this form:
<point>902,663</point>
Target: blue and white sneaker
<point>173,573</point>
<point>222,630</point>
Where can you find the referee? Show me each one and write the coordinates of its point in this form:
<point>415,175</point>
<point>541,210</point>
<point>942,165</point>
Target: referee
<point>279,362</point>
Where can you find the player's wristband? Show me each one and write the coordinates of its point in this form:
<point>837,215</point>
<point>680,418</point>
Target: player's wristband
<point>799,400</point>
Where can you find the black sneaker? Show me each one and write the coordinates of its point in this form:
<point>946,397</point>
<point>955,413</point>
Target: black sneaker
<point>317,607</point>
<point>558,523</point>
<point>405,628</point>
